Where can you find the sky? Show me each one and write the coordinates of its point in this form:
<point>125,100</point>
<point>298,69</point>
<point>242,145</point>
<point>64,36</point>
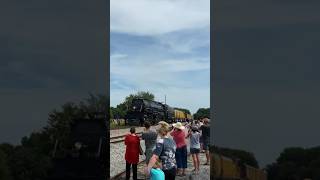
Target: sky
<point>162,47</point>
<point>266,75</point>
<point>51,53</point>
<point>266,83</point>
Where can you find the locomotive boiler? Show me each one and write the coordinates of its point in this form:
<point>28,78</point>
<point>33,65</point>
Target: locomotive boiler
<point>142,110</point>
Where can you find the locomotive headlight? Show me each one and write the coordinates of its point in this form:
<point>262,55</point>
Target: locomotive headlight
<point>134,107</point>
<point>78,145</point>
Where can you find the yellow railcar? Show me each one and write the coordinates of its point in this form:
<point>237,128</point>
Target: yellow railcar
<point>223,168</point>
<point>179,114</point>
<point>189,116</point>
<point>255,174</point>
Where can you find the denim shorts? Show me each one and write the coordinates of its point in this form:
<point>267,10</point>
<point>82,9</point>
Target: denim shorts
<point>182,157</point>
<point>194,150</point>
<point>205,144</point>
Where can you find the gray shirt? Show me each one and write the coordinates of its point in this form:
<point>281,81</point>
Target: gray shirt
<point>166,149</point>
<point>150,138</point>
<point>195,140</point>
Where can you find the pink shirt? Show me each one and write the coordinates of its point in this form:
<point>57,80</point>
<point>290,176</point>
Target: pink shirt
<point>179,137</point>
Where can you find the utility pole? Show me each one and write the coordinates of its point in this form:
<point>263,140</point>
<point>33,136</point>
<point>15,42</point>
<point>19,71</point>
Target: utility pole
<point>165,99</point>
<point>166,108</point>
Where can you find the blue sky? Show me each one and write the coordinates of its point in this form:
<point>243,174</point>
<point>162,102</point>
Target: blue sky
<point>161,47</point>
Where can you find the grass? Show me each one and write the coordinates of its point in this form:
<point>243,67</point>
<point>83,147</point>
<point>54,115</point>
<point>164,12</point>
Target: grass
<point>114,125</point>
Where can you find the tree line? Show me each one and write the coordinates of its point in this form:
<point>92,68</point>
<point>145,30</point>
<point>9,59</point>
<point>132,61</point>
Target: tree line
<point>296,163</point>
<point>32,159</point>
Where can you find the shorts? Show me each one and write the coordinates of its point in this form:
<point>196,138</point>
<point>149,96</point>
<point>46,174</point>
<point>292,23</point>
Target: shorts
<point>194,150</point>
<point>205,144</point>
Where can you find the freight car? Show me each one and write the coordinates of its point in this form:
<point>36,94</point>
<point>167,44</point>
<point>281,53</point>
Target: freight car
<point>142,110</point>
<point>223,168</point>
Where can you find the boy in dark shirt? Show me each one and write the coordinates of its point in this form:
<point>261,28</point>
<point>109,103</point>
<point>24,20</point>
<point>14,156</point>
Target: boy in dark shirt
<point>205,132</point>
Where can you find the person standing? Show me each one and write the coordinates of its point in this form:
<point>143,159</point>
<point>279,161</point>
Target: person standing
<point>133,149</point>
<point>194,135</point>
<point>205,133</point>
<point>179,137</point>
<point>150,137</point>
<point>165,151</point>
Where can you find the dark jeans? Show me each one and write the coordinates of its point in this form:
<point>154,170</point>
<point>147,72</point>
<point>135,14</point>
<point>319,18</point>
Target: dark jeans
<point>134,171</point>
<point>182,157</point>
<point>170,174</point>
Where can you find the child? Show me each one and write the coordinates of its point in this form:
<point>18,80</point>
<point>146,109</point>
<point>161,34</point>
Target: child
<point>156,173</point>
<point>194,135</point>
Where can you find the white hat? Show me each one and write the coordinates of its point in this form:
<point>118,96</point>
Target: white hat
<point>178,125</point>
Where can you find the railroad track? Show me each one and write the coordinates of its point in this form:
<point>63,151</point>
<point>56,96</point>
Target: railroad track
<point>120,138</point>
<point>126,130</point>
<point>117,139</point>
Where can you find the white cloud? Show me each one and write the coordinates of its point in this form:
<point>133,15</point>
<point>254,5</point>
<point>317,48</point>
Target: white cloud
<point>167,66</point>
<point>185,41</point>
<point>154,17</point>
<point>161,76</point>
<point>143,72</point>
<point>116,56</point>
<point>175,64</point>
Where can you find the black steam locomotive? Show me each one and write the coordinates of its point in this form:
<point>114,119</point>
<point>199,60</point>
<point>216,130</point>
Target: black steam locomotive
<point>142,110</point>
<point>86,157</point>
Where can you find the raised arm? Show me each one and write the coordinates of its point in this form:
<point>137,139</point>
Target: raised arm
<point>151,163</point>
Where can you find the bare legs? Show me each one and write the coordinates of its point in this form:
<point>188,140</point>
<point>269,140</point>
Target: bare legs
<point>196,162</point>
<point>208,157</point>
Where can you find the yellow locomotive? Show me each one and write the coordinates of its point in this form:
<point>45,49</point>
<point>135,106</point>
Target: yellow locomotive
<point>223,168</point>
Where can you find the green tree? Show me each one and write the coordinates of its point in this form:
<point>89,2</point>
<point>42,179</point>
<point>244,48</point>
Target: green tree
<point>60,122</point>
<point>244,156</point>
<point>39,142</point>
<point>6,148</point>
<point>31,160</point>
<point>122,108</point>
<point>296,163</point>
<point>202,113</point>
<point>112,110</point>
<point>95,103</point>
<point>4,168</point>
<point>141,94</point>
<point>27,164</point>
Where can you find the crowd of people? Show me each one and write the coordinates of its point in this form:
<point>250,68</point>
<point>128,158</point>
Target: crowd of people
<point>166,152</point>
